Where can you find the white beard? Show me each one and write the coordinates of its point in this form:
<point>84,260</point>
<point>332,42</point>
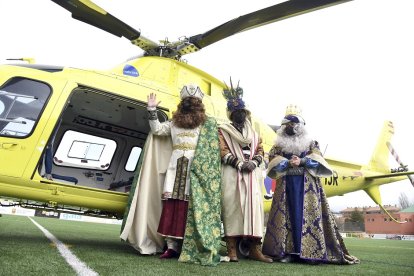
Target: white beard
<point>295,144</point>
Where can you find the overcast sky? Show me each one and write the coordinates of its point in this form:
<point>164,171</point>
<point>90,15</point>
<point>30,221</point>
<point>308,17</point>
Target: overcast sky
<point>349,67</point>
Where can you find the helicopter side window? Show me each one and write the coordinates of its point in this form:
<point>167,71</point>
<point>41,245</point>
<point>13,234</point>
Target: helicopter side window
<point>81,150</point>
<point>133,158</point>
<point>86,150</point>
<point>21,103</point>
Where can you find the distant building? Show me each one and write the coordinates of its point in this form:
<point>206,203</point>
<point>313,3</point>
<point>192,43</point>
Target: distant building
<point>374,214</point>
<point>381,223</point>
<point>369,210</point>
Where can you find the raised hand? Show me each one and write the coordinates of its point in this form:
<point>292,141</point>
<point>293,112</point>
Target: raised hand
<point>152,100</point>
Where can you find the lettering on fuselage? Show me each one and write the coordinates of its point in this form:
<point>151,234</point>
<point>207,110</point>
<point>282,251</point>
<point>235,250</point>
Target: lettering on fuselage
<point>333,180</point>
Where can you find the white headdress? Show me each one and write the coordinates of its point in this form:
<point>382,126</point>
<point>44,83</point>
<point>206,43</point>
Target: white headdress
<point>191,90</point>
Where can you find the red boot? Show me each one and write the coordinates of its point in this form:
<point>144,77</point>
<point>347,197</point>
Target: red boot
<point>169,254</point>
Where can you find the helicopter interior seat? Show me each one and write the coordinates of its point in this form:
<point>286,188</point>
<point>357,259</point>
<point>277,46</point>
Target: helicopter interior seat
<point>122,183</point>
<point>48,160</point>
<point>48,163</point>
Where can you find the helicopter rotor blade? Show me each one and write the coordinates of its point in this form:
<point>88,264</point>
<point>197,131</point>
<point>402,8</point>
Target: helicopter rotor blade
<point>259,18</point>
<point>90,13</point>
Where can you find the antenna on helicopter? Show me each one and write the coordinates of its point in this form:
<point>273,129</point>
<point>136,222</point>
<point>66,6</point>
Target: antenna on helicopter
<point>28,60</point>
<point>326,147</point>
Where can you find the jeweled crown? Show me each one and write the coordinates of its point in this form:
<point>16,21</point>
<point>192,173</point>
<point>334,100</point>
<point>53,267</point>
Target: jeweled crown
<point>234,96</point>
<point>293,114</point>
<point>293,110</point>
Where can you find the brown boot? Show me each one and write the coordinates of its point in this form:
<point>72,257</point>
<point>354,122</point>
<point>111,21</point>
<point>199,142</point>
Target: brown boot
<point>231,243</point>
<point>256,251</point>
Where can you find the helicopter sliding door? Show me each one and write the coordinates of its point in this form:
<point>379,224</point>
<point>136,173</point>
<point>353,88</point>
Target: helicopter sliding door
<point>25,106</point>
<point>99,140</point>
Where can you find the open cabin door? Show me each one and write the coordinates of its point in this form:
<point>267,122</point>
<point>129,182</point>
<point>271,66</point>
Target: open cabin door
<point>97,140</point>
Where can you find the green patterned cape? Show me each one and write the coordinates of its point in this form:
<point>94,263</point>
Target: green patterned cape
<point>202,234</point>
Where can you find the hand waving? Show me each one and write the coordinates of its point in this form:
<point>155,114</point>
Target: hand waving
<point>152,100</point>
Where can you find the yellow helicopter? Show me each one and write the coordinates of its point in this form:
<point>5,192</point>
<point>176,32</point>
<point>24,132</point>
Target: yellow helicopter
<point>70,139</point>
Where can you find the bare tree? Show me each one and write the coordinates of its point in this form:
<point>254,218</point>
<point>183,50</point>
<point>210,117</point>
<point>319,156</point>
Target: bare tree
<point>404,202</point>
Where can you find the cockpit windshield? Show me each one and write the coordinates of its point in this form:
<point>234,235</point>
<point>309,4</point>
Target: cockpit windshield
<point>21,102</point>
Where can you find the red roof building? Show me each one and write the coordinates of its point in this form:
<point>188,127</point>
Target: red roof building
<point>381,223</point>
<point>369,210</point>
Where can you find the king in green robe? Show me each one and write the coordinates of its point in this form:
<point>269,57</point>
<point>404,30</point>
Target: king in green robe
<point>202,238</point>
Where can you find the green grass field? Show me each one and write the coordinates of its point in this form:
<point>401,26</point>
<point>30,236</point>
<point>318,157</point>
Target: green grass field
<point>26,251</point>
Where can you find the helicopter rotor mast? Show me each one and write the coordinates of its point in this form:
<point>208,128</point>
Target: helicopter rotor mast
<point>88,12</point>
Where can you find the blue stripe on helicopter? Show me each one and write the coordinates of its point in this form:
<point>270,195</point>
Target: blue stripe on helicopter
<point>130,70</point>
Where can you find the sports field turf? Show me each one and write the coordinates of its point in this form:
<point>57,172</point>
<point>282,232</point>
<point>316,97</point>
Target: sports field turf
<point>26,251</point>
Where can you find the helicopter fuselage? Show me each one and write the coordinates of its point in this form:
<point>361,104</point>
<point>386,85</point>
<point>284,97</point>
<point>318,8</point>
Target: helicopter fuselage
<point>72,138</point>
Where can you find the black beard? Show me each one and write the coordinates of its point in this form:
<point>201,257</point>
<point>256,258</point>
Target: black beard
<point>238,126</point>
<point>186,106</point>
<point>290,131</point>
<point>238,117</point>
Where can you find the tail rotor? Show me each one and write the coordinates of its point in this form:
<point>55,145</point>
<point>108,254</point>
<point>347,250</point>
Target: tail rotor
<point>402,167</point>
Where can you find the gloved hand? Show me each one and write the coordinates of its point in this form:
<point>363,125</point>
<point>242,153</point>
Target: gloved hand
<point>248,166</point>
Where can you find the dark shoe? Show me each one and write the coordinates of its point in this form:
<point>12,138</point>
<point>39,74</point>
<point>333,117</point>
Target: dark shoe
<point>286,259</point>
<point>311,262</point>
<point>169,254</point>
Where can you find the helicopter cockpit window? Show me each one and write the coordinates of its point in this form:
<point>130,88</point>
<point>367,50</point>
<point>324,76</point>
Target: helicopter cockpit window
<point>81,150</point>
<point>21,103</point>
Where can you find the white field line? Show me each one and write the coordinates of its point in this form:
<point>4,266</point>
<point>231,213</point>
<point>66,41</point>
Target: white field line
<point>80,268</point>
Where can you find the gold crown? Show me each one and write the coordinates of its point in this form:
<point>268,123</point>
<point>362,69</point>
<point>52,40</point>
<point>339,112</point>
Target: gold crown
<point>293,110</point>
<point>191,90</point>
